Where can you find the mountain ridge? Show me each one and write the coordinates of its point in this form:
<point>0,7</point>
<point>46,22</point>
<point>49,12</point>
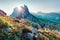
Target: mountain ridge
<point>2,13</point>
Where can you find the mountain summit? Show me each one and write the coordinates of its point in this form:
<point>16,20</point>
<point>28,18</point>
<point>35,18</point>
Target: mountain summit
<point>20,11</point>
<point>23,12</point>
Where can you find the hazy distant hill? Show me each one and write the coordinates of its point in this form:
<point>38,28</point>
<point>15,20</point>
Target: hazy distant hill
<point>53,16</point>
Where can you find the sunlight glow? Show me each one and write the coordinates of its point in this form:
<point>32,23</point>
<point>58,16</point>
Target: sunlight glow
<point>21,8</point>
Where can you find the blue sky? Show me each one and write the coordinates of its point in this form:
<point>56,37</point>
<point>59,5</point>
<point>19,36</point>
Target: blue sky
<point>33,5</point>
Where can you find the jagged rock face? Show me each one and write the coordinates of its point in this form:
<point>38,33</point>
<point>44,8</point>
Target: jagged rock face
<point>2,13</point>
<point>23,12</point>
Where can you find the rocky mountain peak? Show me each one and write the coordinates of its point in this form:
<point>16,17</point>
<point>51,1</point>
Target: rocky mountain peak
<point>20,11</point>
<point>23,12</point>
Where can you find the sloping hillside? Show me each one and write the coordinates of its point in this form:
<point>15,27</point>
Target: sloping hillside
<point>15,29</point>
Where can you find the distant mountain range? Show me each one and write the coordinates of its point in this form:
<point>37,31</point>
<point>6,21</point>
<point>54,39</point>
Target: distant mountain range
<point>53,16</point>
<point>23,12</point>
<point>43,19</point>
